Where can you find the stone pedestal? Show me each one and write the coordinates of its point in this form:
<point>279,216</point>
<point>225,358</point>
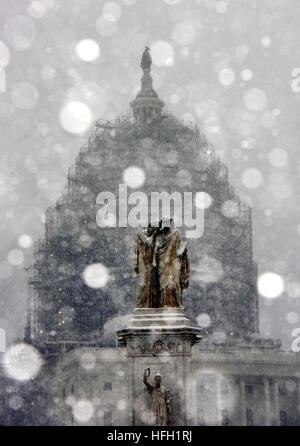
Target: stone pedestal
<point>161,339</point>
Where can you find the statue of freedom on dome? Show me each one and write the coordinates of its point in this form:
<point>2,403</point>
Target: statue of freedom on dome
<point>163,266</point>
<point>146,59</point>
<point>146,90</point>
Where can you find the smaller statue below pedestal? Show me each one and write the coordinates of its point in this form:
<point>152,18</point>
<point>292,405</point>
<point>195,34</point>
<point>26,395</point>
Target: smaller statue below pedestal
<point>161,400</point>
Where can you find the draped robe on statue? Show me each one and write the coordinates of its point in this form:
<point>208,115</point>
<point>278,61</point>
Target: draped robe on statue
<point>148,290</point>
<point>173,268</point>
<point>162,262</point>
<point>161,400</point>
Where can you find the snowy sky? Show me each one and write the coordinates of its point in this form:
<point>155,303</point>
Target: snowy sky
<point>227,65</point>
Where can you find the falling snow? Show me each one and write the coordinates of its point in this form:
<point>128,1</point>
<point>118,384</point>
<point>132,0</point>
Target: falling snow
<point>223,67</point>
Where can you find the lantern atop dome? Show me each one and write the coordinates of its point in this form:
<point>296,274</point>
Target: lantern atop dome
<point>147,105</point>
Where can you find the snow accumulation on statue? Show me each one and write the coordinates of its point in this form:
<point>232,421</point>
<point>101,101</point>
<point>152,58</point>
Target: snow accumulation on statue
<point>163,266</point>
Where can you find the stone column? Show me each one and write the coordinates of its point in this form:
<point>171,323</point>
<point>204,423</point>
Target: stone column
<point>218,400</point>
<point>192,407</point>
<point>298,385</point>
<point>243,402</point>
<point>275,419</point>
<point>267,401</point>
<point>132,392</point>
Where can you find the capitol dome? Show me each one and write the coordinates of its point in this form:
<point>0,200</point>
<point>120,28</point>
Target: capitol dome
<point>159,153</point>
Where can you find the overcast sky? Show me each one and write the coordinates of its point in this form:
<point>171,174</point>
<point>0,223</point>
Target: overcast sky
<point>227,65</point>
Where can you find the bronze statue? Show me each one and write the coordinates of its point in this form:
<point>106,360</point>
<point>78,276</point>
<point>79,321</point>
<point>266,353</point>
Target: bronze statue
<point>147,88</point>
<point>162,263</point>
<point>146,59</point>
<point>161,400</point>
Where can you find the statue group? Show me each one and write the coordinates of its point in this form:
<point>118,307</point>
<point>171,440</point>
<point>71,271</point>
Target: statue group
<point>162,264</point>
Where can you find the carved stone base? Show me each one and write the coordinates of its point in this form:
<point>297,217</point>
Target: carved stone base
<point>161,339</point>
